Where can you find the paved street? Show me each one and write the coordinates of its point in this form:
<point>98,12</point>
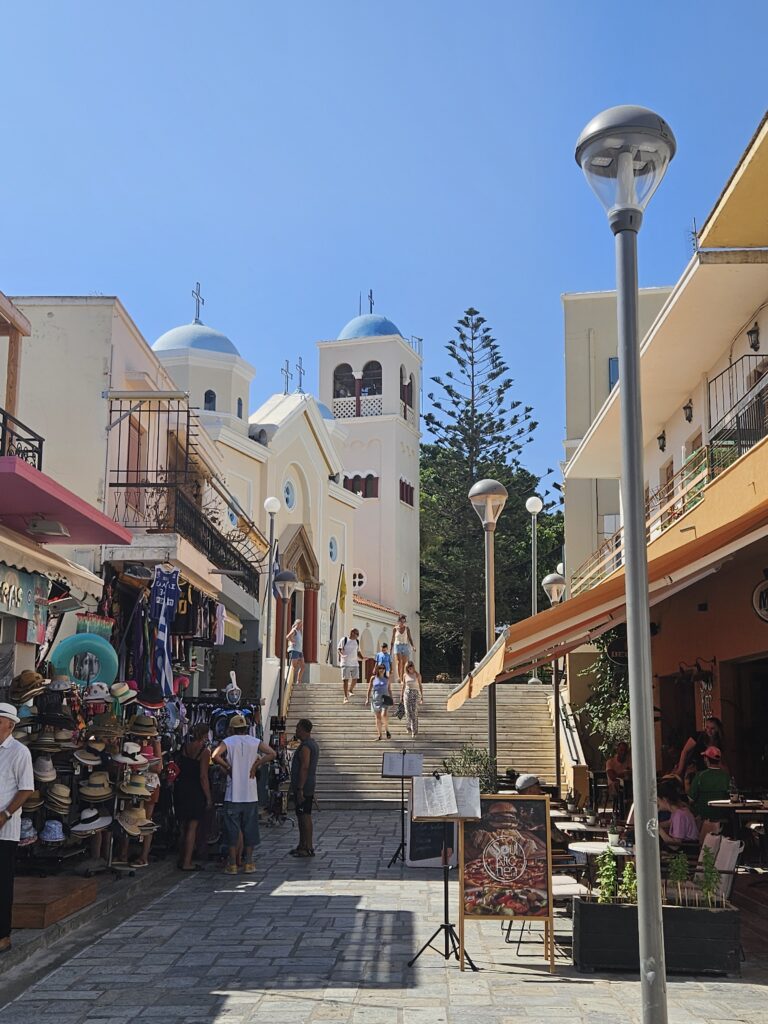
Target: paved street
<point>328,940</point>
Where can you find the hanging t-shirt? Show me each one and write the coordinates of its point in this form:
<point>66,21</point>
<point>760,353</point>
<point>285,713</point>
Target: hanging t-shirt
<point>221,618</point>
<point>184,621</point>
<point>165,594</point>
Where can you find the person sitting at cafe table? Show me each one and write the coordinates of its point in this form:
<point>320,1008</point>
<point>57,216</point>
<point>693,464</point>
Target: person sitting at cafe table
<point>618,769</point>
<point>681,827</point>
<point>530,785</point>
<point>713,783</point>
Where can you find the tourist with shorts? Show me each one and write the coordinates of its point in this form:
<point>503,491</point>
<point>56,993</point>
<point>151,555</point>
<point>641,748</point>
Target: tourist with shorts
<point>379,696</point>
<point>402,645</point>
<point>16,785</point>
<point>303,780</point>
<point>349,660</point>
<point>295,639</point>
<point>241,756</point>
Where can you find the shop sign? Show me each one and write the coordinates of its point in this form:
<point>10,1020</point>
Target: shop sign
<point>19,592</point>
<point>760,600</point>
<point>617,651</point>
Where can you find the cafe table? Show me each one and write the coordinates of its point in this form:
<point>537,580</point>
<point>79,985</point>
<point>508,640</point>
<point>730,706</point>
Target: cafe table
<point>593,848</point>
<point>580,826</point>
<point>557,814</point>
<point>737,808</point>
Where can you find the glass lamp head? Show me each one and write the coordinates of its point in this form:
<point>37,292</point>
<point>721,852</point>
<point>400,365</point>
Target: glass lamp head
<point>488,498</point>
<point>534,505</point>
<point>554,587</point>
<point>285,583</point>
<point>624,153</point>
<point>272,506</point>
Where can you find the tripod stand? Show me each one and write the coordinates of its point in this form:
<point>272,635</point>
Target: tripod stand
<point>450,937</point>
<point>399,853</point>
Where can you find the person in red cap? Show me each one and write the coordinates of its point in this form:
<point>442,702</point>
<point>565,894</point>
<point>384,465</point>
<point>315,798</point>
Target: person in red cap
<point>16,784</point>
<point>710,784</point>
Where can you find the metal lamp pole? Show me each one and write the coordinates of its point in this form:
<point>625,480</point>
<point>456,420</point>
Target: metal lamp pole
<point>554,588</point>
<point>285,582</point>
<point>534,505</point>
<point>271,507</point>
<point>624,153</point>
<point>488,498</point>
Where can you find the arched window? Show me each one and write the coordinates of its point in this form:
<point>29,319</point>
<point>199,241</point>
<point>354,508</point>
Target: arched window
<point>357,484</point>
<point>343,382</point>
<point>411,391</point>
<point>239,408</point>
<point>372,378</point>
<point>371,486</point>
<point>209,401</point>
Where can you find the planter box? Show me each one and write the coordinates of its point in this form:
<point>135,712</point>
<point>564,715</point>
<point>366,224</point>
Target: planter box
<point>697,940</point>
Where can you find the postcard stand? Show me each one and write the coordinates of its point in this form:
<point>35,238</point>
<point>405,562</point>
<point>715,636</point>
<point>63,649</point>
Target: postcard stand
<point>451,944</point>
<point>401,766</point>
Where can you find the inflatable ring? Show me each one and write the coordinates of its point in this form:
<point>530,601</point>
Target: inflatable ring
<point>86,643</point>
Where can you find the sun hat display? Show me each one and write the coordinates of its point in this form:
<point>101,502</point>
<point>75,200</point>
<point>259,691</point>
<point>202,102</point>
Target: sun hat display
<point>131,755</point>
<point>151,696</point>
<point>525,782</point>
<point>64,737</point>
<point>43,769</point>
<point>106,725</point>
<point>52,832</point>
<point>28,832</point>
<point>90,754</point>
<point>33,801</point>
<point>90,822</point>
<point>58,798</point>
<point>142,725</point>
<point>44,741</point>
<point>27,685</point>
<point>9,711</point>
<point>135,787</point>
<point>22,736</point>
<point>135,822</point>
<point>122,692</point>
<point>97,787</point>
<point>60,684</point>
<point>97,692</point>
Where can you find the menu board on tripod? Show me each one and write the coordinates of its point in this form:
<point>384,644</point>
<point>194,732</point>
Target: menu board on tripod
<point>438,797</point>
<point>424,843</point>
<point>401,766</point>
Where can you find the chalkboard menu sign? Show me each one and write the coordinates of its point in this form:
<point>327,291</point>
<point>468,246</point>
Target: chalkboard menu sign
<point>505,863</point>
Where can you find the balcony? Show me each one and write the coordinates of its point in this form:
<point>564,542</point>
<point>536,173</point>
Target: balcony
<point>736,387</point>
<point>18,441</point>
<point>686,489</point>
<point>352,408</point>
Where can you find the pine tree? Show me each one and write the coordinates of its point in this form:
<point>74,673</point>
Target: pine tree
<point>478,431</point>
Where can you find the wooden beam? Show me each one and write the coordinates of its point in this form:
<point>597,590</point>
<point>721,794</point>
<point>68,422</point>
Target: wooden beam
<point>13,316</point>
<point>13,372</point>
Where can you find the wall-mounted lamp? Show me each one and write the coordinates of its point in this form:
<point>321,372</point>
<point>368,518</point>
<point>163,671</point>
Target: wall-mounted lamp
<point>754,337</point>
<point>662,441</point>
<point>688,411</point>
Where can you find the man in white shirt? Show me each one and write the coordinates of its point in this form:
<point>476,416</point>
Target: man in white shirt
<point>349,660</point>
<point>241,756</point>
<point>16,784</point>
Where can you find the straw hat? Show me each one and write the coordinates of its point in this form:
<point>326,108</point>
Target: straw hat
<point>21,736</point>
<point>97,787</point>
<point>43,769</point>
<point>33,801</point>
<point>106,725</point>
<point>142,725</point>
<point>135,787</point>
<point>90,754</point>
<point>131,755</point>
<point>90,822</point>
<point>122,692</point>
<point>26,685</point>
<point>64,738</point>
<point>135,822</point>
<point>44,740</point>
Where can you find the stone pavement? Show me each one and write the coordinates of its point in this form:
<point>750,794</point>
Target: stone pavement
<point>328,940</point>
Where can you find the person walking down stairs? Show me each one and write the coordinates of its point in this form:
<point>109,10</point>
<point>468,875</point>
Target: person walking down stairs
<point>380,698</point>
<point>411,695</point>
<point>295,640</point>
<point>349,660</point>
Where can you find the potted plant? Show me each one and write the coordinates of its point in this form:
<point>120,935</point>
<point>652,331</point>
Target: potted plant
<point>591,815</point>
<point>701,929</point>
<point>570,802</point>
<point>613,833</point>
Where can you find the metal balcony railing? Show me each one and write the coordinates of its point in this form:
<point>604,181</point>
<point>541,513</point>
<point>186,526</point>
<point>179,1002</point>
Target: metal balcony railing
<point>737,385</point>
<point>683,491</point>
<point>18,440</point>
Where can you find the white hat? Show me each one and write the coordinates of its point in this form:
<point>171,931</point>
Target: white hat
<point>97,691</point>
<point>43,769</point>
<point>9,711</point>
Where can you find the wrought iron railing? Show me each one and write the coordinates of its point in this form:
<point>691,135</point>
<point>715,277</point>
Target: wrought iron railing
<point>683,491</point>
<point>18,440</point>
<point>737,385</point>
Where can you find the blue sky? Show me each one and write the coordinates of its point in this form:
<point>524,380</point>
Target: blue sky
<point>290,155</point>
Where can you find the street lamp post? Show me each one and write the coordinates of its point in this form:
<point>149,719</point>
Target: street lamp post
<point>488,498</point>
<point>624,153</point>
<point>534,505</point>
<point>285,583</point>
<point>271,507</point>
<point>554,588</point>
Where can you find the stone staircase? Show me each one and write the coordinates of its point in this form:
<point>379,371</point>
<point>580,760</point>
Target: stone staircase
<point>349,772</point>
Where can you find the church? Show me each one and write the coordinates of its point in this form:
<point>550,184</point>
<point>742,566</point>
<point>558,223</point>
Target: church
<point>344,466</point>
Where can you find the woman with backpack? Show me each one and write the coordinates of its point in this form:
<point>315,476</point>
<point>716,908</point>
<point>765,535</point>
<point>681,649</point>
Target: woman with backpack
<point>380,698</point>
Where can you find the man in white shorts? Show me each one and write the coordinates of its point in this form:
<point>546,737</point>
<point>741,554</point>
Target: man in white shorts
<point>349,650</point>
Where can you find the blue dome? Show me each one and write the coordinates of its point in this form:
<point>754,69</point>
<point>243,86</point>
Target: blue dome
<point>369,325</point>
<point>196,336</point>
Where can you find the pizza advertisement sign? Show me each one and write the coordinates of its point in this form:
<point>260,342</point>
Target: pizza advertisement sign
<point>506,860</point>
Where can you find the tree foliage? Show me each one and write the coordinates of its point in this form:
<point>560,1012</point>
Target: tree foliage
<point>606,710</point>
<point>478,431</point>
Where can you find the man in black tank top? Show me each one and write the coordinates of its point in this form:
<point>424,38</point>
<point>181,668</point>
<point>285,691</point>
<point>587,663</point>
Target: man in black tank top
<point>303,775</point>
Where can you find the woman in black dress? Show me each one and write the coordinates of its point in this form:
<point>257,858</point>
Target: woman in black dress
<point>192,792</point>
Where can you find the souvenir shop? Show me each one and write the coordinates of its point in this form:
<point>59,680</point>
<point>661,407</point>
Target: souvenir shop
<point>104,717</point>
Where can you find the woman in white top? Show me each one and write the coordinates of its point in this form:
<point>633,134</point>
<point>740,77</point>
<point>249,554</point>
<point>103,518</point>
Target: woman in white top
<point>411,695</point>
<point>295,640</point>
<point>402,645</point>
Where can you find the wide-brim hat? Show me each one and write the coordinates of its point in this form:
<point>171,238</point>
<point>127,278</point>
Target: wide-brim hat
<point>33,801</point>
<point>61,719</point>
<point>21,736</point>
<point>26,685</point>
<point>106,725</point>
<point>91,821</point>
<point>135,822</point>
<point>88,755</point>
<point>61,684</point>
<point>43,769</point>
<point>64,738</point>
<point>52,832</point>
<point>143,725</point>
<point>151,696</point>
<point>9,711</point>
<point>131,755</point>
<point>122,692</point>
<point>97,787</point>
<point>136,788</point>
<point>58,791</point>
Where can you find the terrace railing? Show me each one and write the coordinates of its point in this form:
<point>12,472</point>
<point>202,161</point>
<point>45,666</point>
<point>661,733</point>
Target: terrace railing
<point>19,441</point>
